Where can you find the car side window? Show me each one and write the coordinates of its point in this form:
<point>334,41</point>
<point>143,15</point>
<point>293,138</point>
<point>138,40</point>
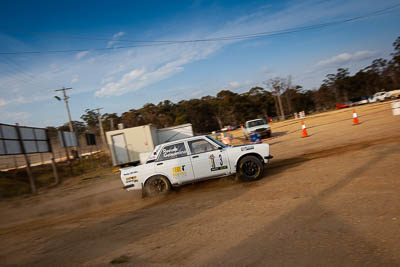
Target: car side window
<point>174,151</point>
<point>200,146</point>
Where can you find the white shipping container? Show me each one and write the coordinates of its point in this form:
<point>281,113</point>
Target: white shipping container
<point>130,145</point>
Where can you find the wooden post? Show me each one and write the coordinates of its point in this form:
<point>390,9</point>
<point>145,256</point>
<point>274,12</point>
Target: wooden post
<point>78,148</point>
<point>15,162</point>
<point>68,159</point>
<point>41,158</point>
<point>53,162</point>
<point>66,152</point>
<point>91,158</point>
<point>28,164</point>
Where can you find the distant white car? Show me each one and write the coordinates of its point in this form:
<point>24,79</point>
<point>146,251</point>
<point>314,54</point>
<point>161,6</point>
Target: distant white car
<point>193,159</point>
<point>379,96</point>
<point>257,126</point>
<point>359,101</point>
<point>393,94</point>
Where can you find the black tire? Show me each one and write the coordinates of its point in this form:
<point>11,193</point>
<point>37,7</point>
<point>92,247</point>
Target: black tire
<point>250,169</point>
<point>157,186</point>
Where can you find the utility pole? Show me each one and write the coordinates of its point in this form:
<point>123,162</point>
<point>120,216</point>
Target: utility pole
<point>71,129</point>
<point>103,138</point>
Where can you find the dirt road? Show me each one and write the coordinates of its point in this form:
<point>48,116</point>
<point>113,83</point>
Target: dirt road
<point>330,199</point>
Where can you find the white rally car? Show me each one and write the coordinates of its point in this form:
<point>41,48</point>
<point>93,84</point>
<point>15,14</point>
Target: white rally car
<point>192,159</point>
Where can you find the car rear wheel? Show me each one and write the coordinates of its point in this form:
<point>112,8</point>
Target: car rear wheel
<point>250,168</point>
<point>156,186</point>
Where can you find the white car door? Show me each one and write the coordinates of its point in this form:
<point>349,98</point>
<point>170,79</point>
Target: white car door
<point>173,161</point>
<point>207,159</point>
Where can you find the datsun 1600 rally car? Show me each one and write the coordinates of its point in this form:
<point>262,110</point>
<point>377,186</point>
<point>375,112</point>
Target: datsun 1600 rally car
<point>192,159</point>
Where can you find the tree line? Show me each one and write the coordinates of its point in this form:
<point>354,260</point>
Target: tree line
<point>277,98</point>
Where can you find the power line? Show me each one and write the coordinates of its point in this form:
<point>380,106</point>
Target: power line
<point>16,72</point>
<point>170,42</point>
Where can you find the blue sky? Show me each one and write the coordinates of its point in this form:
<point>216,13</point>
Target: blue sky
<point>121,79</point>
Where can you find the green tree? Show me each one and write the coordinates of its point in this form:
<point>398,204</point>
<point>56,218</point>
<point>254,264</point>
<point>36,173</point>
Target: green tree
<point>90,117</point>
<point>79,127</point>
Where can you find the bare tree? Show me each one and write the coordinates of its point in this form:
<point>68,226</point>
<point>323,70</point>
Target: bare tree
<point>288,97</point>
<point>277,87</point>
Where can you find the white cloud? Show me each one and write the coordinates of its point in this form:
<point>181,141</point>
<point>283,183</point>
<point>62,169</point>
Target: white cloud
<point>265,69</point>
<point>345,58</point>
<point>138,78</point>
<point>106,80</point>
<point>234,84</point>
<point>119,34</point>
<point>81,54</point>
<point>115,37</point>
<point>15,117</point>
<point>117,70</point>
<point>21,100</point>
<point>197,93</point>
<point>152,68</point>
<point>75,79</point>
<point>3,102</point>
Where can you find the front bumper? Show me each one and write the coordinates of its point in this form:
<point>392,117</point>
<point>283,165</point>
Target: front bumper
<point>264,133</point>
<point>267,158</point>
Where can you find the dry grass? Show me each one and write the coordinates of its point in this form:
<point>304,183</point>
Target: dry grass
<point>15,182</point>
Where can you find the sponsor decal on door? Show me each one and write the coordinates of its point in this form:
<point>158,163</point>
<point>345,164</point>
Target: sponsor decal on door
<point>220,161</point>
<point>179,171</point>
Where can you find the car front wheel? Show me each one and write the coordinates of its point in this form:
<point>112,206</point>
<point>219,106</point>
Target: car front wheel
<point>250,169</point>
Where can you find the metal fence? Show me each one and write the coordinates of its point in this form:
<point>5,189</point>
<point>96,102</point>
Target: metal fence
<point>8,162</point>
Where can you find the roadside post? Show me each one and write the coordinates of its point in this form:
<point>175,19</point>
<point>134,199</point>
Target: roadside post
<point>52,159</point>
<point>68,139</point>
<point>90,142</point>
<point>28,164</point>
<point>15,162</point>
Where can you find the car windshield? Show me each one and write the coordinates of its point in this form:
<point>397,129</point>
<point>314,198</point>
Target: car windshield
<point>256,123</point>
<point>216,141</point>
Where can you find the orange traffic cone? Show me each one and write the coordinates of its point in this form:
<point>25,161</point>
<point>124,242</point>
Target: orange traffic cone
<point>355,117</point>
<point>303,130</point>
